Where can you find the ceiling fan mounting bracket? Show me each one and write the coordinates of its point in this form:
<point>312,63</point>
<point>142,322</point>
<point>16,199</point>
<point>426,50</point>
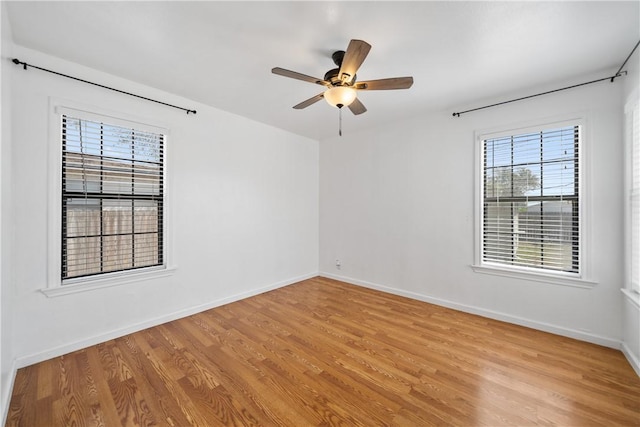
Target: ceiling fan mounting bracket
<point>337,57</point>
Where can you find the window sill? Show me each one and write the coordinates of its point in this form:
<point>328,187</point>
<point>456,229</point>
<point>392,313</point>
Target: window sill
<point>575,282</point>
<point>117,279</point>
<point>632,296</point>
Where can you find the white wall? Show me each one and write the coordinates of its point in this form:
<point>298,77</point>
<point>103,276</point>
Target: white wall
<point>631,304</point>
<point>244,212</point>
<point>6,354</point>
<point>397,209</point>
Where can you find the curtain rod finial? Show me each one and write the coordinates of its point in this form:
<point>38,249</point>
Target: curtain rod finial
<point>18,62</point>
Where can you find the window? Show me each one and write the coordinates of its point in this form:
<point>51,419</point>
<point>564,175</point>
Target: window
<point>530,201</point>
<point>633,186</point>
<point>112,198</point>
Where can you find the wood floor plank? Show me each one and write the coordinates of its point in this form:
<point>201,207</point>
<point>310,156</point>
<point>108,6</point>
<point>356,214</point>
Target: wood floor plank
<point>24,397</point>
<point>100,375</point>
<point>325,353</point>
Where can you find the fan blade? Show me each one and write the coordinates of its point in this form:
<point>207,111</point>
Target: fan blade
<point>354,56</point>
<point>299,76</point>
<point>385,84</point>
<point>357,107</point>
<point>310,101</point>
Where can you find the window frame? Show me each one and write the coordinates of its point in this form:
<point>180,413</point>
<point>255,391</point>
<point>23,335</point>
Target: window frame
<point>57,286</point>
<point>632,106</point>
<point>582,277</point>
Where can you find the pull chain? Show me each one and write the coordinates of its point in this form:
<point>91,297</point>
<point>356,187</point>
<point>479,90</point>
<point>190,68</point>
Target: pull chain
<point>340,127</point>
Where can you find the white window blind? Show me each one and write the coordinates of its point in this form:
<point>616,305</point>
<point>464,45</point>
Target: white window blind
<point>634,197</point>
<point>530,200</point>
<point>112,198</point>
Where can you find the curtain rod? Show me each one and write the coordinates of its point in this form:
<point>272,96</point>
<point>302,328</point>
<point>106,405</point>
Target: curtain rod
<point>619,73</point>
<point>25,65</point>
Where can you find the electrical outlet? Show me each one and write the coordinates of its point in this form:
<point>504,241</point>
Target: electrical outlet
<point>338,264</point>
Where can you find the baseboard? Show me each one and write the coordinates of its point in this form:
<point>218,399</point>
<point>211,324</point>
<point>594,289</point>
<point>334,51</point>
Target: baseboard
<point>6,391</point>
<point>541,326</point>
<point>24,361</point>
<point>632,358</point>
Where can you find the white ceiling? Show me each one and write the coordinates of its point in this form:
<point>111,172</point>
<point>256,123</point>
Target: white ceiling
<point>221,53</point>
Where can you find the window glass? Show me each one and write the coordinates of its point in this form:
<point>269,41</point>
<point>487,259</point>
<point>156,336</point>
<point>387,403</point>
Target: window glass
<point>112,198</point>
<point>530,200</point>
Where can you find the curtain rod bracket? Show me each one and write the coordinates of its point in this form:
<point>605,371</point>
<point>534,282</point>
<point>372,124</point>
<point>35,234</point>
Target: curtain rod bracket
<point>24,66</point>
<point>619,74</point>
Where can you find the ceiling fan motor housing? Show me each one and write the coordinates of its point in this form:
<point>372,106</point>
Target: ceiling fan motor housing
<point>333,75</point>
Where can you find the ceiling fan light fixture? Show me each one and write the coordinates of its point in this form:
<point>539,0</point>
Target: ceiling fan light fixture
<point>340,96</point>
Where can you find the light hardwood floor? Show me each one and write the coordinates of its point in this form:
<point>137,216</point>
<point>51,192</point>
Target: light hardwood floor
<point>324,353</point>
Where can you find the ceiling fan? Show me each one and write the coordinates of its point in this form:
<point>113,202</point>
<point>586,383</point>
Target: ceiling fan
<point>341,82</point>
